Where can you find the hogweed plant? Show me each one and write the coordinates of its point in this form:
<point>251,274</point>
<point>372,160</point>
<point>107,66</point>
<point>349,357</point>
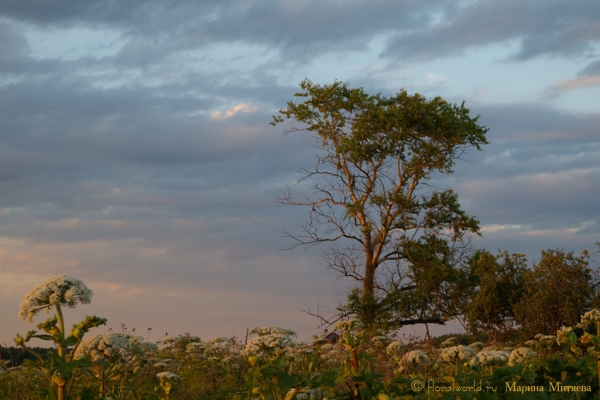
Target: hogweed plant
<point>167,382</point>
<point>592,319</point>
<point>60,291</point>
<point>116,359</point>
<point>280,369</point>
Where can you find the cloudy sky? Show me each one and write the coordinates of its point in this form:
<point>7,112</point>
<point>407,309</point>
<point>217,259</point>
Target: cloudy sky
<point>136,152</point>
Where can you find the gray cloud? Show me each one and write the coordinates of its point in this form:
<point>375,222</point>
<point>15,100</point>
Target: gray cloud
<point>540,27</point>
<point>592,69</point>
<point>153,30</point>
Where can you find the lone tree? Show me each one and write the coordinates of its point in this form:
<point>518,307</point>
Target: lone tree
<point>371,199</point>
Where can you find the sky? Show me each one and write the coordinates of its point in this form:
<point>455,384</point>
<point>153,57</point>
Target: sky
<point>136,152</point>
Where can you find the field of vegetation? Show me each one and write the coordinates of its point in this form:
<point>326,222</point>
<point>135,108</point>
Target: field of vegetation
<point>351,362</point>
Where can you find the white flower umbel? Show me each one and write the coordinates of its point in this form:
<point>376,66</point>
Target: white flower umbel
<point>63,290</point>
<point>565,335</point>
<point>350,325</point>
<point>457,355</point>
<point>306,394</point>
<point>116,349</point>
<point>417,357</point>
<point>271,330</point>
<point>590,318</point>
<point>460,353</point>
<point>520,355</point>
<point>57,292</point>
<point>476,345</point>
<point>450,342</point>
<point>273,343</point>
<point>490,358</point>
<point>394,349</point>
<point>102,348</point>
<point>545,338</point>
<point>333,353</point>
<point>380,341</point>
<point>414,358</point>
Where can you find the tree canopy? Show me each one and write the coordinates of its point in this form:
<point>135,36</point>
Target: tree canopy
<point>558,290</point>
<point>496,285</point>
<point>372,200</point>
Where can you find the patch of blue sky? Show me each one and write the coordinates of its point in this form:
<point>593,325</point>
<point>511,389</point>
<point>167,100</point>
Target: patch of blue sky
<point>487,75</point>
<point>583,100</point>
<point>349,66</point>
<point>72,43</point>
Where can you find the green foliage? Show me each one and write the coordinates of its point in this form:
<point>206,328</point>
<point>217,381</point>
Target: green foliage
<point>558,290</point>
<point>364,370</point>
<point>498,284</point>
<point>375,156</point>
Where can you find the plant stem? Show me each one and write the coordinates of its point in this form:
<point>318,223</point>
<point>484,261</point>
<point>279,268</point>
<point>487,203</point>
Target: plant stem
<point>70,386</point>
<point>73,351</point>
<point>276,382</point>
<point>61,392</point>
<point>61,327</point>
<point>355,367</point>
<point>598,334</point>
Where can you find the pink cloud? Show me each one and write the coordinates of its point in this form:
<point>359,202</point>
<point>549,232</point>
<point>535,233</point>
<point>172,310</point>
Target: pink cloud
<point>242,107</point>
<point>577,83</point>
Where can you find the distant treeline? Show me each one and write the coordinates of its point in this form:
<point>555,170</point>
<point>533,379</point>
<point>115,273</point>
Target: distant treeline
<point>16,355</point>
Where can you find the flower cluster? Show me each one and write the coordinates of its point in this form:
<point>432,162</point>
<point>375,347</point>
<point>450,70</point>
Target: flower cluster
<point>333,353</point>
<point>61,290</point>
<point>590,317</point>
<point>219,348</point>
<point>309,394</point>
<point>490,358</point>
<point>546,339</point>
<point>394,349</point>
<point>165,362</point>
<point>168,375</point>
<point>450,342</point>
<point>520,355</point>
<point>270,340</point>
<point>476,345</point>
<point>115,348</point>
<point>272,330</point>
<point>413,358</point>
<point>109,346</point>
<point>380,341</point>
<point>417,357</point>
<point>305,350</point>
<point>169,343</point>
<point>566,335</point>
<point>350,325</point>
<point>196,347</point>
<point>460,352</point>
<point>167,379</point>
